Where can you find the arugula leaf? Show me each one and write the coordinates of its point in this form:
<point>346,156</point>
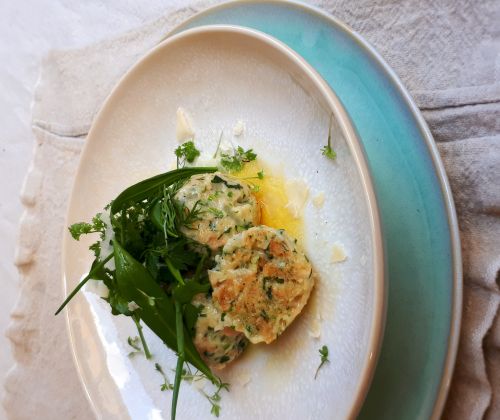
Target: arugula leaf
<point>153,187</point>
<point>136,284</point>
<point>235,162</point>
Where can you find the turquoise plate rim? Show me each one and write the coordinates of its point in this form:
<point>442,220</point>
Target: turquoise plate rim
<point>447,199</point>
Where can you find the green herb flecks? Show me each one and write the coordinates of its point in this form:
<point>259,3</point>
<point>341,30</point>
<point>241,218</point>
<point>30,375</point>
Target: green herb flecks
<point>186,152</point>
<point>327,150</point>
<point>260,175</point>
<point>323,352</point>
<point>166,385</point>
<point>83,228</point>
<point>135,344</point>
<point>235,162</point>
<point>79,229</point>
<point>219,214</point>
<point>255,188</point>
<point>215,398</point>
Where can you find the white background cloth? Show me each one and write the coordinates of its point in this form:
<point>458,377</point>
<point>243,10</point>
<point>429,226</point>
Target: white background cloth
<point>447,54</point>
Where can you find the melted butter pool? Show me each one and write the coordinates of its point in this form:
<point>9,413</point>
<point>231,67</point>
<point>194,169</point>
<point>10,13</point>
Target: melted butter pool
<point>272,198</point>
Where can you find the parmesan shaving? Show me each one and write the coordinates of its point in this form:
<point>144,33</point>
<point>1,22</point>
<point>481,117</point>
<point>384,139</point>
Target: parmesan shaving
<point>315,329</point>
<point>183,130</point>
<point>297,192</point>
<point>338,253</point>
<point>239,128</point>
<point>244,378</point>
<point>319,200</point>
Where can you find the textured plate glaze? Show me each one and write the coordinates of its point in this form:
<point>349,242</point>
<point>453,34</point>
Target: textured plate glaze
<point>417,211</point>
<point>221,75</point>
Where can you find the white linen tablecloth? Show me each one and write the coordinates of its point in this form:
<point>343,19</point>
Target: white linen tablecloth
<point>447,54</point>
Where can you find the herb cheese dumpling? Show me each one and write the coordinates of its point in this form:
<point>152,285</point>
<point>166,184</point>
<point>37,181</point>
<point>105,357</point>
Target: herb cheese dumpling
<point>218,207</point>
<point>216,341</point>
<point>261,281</point>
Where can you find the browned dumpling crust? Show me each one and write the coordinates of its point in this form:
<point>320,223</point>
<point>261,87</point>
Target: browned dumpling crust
<point>217,342</point>
<point>261,281</point>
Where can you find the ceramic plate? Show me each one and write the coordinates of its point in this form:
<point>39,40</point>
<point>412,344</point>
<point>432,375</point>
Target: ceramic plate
<point>417,211</point>
<point>221,75</point>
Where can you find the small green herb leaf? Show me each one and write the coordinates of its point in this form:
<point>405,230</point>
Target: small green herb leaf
<point>186,152</point>
<point>236,161</point>
<point>327,150</point>
<point>83,228</point>
<point>166,385</point>
<point>323,352</point>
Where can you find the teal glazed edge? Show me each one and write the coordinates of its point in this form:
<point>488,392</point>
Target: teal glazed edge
<point>423,253</point>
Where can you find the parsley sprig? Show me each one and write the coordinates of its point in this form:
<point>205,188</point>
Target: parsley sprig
<point>234,162</point>
<point>186,152</point>
<point>96,226</point>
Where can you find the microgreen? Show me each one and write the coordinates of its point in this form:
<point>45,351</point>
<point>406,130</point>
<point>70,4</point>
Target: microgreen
<point>166,385</point>
<point>215,398</point>
<point>323,352</point>
<point>327,150</point>
<point>135,344</point>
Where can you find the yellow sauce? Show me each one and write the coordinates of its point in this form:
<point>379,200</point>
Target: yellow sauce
<point>272,198</point>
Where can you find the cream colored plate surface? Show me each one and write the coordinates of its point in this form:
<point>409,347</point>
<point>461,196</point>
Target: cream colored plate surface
<point>222,75</point>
